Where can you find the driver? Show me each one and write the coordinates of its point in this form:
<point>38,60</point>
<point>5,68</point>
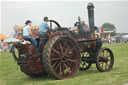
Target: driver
<point>43,31</point>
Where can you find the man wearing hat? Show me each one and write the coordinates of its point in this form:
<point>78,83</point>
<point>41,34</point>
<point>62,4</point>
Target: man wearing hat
<point>43,31</point>
<point>27,34</point>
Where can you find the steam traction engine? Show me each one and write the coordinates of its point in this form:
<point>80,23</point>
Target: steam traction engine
<point>66,51</point>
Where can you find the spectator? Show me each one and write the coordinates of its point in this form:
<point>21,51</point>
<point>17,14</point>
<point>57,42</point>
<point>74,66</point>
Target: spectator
<point>3,46</point>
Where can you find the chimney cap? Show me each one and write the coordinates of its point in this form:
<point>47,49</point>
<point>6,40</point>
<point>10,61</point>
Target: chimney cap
<point>90,5</point>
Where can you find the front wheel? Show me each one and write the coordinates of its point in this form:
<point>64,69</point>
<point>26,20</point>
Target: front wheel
<point>104,60</point>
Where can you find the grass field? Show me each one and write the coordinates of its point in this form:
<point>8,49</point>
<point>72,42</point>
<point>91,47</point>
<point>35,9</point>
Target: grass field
<point>10,73</point>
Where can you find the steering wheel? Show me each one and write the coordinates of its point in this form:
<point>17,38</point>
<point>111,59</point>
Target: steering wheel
<point>51,24</point>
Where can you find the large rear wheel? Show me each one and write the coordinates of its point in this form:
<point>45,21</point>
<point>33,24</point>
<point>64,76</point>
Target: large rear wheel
<point>61,57</point>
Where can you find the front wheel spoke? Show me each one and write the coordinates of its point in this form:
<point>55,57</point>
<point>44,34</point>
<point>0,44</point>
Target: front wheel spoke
<point>86,54</point>
<point>107,64</point>
<point>103,53</point>
<point>83,64</point>
<point>102,64</point>
<point>109,59</point>
<point>86,64</point>
<point>108,56</point>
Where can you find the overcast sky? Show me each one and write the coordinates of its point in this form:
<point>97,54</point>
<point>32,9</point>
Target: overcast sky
<point>65,12</point>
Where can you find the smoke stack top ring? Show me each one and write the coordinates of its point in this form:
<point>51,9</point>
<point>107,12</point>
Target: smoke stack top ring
<point>90,6</point>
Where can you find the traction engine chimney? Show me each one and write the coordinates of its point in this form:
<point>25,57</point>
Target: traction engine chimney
<point>90,8</point>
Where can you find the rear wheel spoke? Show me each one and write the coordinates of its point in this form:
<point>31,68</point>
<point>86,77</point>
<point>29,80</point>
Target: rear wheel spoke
<point>55,51</point>
<point>65,44</point>
<point>60,70</point>
<point>68,63</point>
<point>69,53</point>
<point>72,49</point>
<point>74,61</point>
<point>63,68</point>
<point>66,50</point>
<point>55,59</point>
<point>57,66</point>
<point>61,47</point>
<point>67,67</point>
<point>54,64</point>
<point>53,54</point>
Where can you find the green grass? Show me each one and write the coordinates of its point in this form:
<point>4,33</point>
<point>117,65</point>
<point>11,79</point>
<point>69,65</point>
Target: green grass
<point>10,73</point>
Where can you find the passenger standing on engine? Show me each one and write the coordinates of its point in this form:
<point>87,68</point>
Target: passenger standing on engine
<point>43,31</point>
<point>27,34</point>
